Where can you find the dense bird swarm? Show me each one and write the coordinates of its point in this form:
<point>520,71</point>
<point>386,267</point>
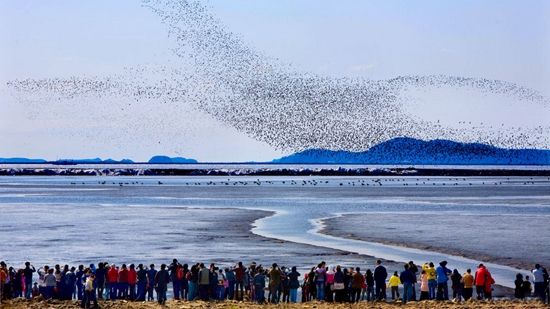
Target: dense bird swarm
<point>282,106</point>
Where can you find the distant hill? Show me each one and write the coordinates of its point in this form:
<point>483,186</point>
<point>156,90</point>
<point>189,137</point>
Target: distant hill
<point>168,160</point>
<point>92,161</point>
<point>21,160</point>
<point>405,150</point>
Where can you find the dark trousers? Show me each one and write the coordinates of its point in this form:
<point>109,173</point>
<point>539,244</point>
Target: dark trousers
<point>176,286</point>
<point>141,291</point>
<point>355,295</point>
<point>442,291</point>
<point>539,291</point>
<point>394,292</point>
<point>467,293</point>
<point>480,291</point>
<point>203,291</point>
<point>381,290</point>
<point>239,285</point>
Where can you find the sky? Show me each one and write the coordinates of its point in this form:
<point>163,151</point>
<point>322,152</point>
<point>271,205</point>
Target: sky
<point>506,40</point>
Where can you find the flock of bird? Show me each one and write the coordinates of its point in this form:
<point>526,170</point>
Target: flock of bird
<point>288,109</point>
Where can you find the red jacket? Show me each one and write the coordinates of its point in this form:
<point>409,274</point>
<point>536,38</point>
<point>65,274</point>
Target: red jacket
<point>132,276</point>
<point>123,276</point>
<point>481,276</point>
<point>112,275</point>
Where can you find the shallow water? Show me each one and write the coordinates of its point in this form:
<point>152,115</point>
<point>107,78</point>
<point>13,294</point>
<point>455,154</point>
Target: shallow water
<point>60,204</point>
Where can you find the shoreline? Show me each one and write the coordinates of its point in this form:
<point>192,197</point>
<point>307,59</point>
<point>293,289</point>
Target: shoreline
<point>329,229</point>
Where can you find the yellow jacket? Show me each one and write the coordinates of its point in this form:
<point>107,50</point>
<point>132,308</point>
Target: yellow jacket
<point>394,281</point>
<point>430,272</point>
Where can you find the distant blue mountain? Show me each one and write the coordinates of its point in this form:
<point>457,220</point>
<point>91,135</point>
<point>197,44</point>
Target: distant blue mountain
<point>91,161</point>
<point>168,160</point>
<point>21,160</point>
<point>405,150</point>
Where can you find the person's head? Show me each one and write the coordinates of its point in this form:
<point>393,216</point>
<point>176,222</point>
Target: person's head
<point>185,266</point>
<point>537,266</point>
<point>73,269</point>
<point>35,284</point>
<point>294,268</point>
<point>50,271</point>
<point>338,268</point>
<point>455,271</point>
<point>432,264</point>
<point>152,266</point>
<point>406,266</point>
<point>163,266</point>
<point>123,266</point>
<point>175,261</point>
<point>357,269</point>
<point>27,264</point>
<point>480,266</point>
<point>519,277</point>
<point>80,267</point>
<point>274,265</point>
<point>468,270</point>
<point>378,262</point>
<point>46,268</point>
<point>201,265</point>
<point>526,278</point>
<point>66,268</point>
<point>132,266</point>
<point>443,263</point>
<point>395,273</point>
<point>240,264</point>
<point>369,272</point>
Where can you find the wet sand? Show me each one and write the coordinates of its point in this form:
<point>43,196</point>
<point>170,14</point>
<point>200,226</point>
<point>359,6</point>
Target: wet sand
<point>108,233</point>
<point>489,238</point>
<point>20,304</point>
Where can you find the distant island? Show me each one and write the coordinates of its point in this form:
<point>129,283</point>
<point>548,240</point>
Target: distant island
<point>168,160</point>
<point>397,151</point>
<point>403,150</point>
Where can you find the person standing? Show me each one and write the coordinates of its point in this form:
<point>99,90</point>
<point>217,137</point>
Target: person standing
<point>204,282</point>
<point>380,275</point>
<point>424,287</point>
<point>518,283</point>
<point>294,284</point>
<point>479,280</point>
<point>239,281</point>
<point>442,278</point>
<point>89,292</point>
<point>3,279</point>
<point>28,271</point>
<point>132,280</point>
<point>100,276</point>
<point>456,285</point>
<point>112,280</point>
<point>407,278</point>
<point>176,286</point>
<point>431,274</point>
<point>161,283</point>
<point>393,284</point>
<point>274,283</point>
<point>356,285</point>
<point>538,280</point>
<point>320,278</point>
<point>468,284</point>
<point>141,275</point>
<point>123,282</point>
<point>151,275</point>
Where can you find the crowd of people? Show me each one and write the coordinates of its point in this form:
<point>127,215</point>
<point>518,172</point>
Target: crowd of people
<point>254,282</point>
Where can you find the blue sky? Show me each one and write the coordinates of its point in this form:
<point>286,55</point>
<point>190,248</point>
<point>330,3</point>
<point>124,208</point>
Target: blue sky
<point>507,40</point>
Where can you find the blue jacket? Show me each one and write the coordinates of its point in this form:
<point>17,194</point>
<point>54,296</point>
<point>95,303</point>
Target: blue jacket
<point>407,276</point>
<point>442,274</point>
